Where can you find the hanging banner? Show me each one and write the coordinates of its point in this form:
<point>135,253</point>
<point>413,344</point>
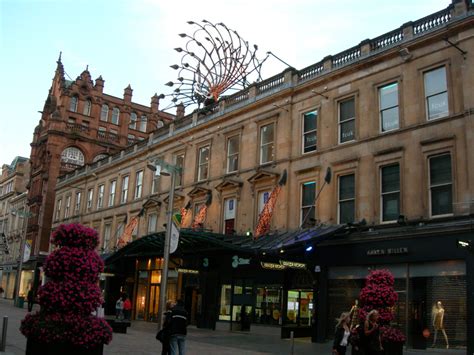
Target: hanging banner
<point>174,241</point>
<point>126,237</point>
<point>27,251</point>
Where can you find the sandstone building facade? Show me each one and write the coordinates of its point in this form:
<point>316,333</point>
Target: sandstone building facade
<point>391,117</point>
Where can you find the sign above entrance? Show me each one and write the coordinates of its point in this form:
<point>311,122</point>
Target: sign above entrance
<point>236,261</point>
<point>187,271</point>
<point>293,264</point>
<point>272,266</point>
<point>387,251</point>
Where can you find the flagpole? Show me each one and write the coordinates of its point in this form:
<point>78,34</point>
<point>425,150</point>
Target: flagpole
<point>166,252</point>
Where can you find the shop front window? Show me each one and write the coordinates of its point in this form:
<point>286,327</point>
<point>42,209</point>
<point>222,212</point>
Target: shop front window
<point>268,305</point>
<point>141,298</point>
<point>299,307</point>
<point>224,312</point>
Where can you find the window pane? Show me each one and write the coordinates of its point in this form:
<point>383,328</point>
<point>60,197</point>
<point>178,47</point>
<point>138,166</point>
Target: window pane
<point>389,96</point>
<point>391,206</point>
<point>310,121</point>
<point>391,178</point>
<point>115,115</point>
<point>435,81</point>
<point>346,187</point>
<point>310,142</point>
<point>104,113</point>
<point>233,163</point>
<point>233,147</point>
<point>133,121</point>
<point>308,215</point>
<point>389,119</point>
<point>267,154</point>
<point>346,212</point>
<point>440,169</point>
<point>347,131</point>
<point>346,110</point>
<point>438,105</point>
<point>441,200</point>
<point>308,193</point>
<point>267,134</point>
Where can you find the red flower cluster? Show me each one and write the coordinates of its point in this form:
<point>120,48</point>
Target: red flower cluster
<point>87,332</point>
<point>65,297</point>
<point>390,334</point>
<point>75,235</point>
<point>71,294</point>
<point>71,263</point>
<point>379,294</point>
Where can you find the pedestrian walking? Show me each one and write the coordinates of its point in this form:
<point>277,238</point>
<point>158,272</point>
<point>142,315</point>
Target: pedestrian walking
<point>372,334</point>
<point>343,331</point>
<point>127,307</point>
<point>119,309</point>
<point>357,339</point>
<point>179,322</point>
<point>30,298</point>
<point>165,333</point>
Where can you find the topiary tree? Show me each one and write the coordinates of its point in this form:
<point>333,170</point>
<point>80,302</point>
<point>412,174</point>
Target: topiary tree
<point>70,294</point>
<point>379,294</point>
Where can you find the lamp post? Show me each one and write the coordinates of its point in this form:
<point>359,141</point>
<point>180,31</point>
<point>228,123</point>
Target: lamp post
<point>172,169</point>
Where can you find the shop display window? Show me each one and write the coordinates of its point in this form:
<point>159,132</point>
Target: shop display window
<point>268,305</point>
<point>300,307</point>
<point>224,313</point>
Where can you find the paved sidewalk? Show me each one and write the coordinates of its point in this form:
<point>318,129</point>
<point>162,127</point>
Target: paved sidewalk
<point>140,340</point>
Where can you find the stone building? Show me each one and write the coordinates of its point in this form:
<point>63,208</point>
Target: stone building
<point>80,124</point>
<point>13,209</point>
<point>392,118</point>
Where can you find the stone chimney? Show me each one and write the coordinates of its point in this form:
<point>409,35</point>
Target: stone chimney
<point>155,103</point>
<point>127,94</point>
<point>180,110</point>
<point>99,84</point>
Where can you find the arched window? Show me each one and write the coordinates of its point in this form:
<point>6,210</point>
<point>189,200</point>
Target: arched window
<point>100,157</point>
<point>73,104</point>
<point>115,115</point>
<point>87,107</point>
<point>133,121</point>
<point>104,113</point>
<point>143,121</point>
<point>72,156</point>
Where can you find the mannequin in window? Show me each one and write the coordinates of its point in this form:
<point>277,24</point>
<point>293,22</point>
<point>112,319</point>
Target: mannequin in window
<point>354,312</point>
<point>438,322</point>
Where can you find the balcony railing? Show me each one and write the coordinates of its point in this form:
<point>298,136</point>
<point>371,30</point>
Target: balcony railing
<point>432,21</point>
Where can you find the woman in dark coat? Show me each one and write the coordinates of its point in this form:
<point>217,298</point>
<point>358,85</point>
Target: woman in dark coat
<point>372,334</point>
<point>341,339</point>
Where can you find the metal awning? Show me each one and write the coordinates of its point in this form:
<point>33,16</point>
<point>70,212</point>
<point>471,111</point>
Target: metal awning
<point>195,241</point>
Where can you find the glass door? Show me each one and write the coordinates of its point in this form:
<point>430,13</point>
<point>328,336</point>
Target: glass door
<point>154,303</point>
<point>300,306</point>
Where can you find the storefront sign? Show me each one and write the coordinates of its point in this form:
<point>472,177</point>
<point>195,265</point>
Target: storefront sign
<point>272,266</point>
<point>187,271</point>
<point>236,261</point>
<point>387,251</point>
<point>293,264</point>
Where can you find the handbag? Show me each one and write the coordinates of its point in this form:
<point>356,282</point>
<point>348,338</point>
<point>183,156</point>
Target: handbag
<point>160,335</point>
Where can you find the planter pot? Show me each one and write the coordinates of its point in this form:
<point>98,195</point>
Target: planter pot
<point>37,348</point>
<point>393,348</point>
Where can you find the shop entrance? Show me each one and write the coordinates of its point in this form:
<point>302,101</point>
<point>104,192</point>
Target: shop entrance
<point>154,303</point>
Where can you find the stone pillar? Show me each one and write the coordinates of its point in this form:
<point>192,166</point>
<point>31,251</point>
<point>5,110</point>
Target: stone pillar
<point>127,94</point>
<point>327,63</point>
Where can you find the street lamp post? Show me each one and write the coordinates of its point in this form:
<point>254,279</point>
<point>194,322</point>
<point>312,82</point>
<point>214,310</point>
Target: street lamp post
<point>172,169</point>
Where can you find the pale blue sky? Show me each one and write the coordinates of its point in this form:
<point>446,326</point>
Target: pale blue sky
<point>131,42</point>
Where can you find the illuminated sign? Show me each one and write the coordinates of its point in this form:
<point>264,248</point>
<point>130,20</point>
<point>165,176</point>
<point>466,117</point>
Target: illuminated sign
<point>187,271</point>
<point>236,261</point>
<point>293,264</point>
<point>272,266</point>
<point>388,251</point>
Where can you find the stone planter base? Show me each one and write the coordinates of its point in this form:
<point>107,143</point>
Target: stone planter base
<point>393,348</point>
<point>36,348</point>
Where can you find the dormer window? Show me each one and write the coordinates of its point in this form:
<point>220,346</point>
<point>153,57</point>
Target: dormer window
<point>87,108</point>
<point>73,104</point>
<point>104,113</point>
<point>115,115</point>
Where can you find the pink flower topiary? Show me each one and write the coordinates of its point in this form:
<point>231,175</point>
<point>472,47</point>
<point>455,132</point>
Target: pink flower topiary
<point>379,294</point>
<point>71,293</point>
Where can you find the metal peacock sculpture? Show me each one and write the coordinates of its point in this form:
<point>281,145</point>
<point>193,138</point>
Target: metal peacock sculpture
<point>215,60</point>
